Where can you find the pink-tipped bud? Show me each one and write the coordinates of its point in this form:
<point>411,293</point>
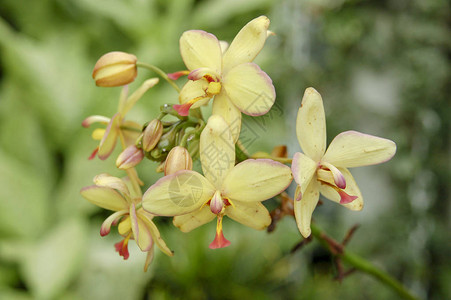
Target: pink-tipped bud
<point>129,158</point>
<point>115,69</point>
<point>216,203</point>
<point>152,135</point>
<point>177,159</point>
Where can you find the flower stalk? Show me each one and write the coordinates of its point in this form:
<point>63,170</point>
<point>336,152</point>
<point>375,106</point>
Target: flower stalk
<point>363,265</point>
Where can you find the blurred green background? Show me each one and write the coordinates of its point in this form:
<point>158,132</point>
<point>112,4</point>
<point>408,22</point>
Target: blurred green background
<point>382,67</point>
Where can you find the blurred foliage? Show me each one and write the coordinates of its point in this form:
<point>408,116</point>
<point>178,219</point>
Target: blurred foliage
<point>382,67</point>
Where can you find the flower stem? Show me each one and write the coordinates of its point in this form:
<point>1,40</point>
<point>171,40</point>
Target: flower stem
<point>159,72</point>
<point>283,160</point>
<point>363,265</point>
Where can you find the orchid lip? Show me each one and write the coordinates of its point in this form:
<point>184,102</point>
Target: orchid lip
<point>339,179</point>
<point>345,198</point>
<point>220,241</point>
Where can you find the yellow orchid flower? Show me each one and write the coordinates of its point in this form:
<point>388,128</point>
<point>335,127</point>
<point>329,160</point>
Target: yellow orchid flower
<point>237,84</point>
<point>117,125</point>
<point>319,171</point>
<point>112,193</point>
<point>225,189</point>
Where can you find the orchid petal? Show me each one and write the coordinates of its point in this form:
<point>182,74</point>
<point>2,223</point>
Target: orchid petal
<point>194,90</point>
<point>108,141</point>
<point>104,197</point>
<point>200,49</point>
<point>225,108</point>
<point>251,214</point>
<point>147,218</point>
<point>149,259</point>
<point>250,89</point>
<point>95,119</point>
<point>351,189</point>
<point>311,125</point>
<point>140,231</point>
<point>98,133</point>
<point>354,149</point>
<point>303,168</point>
<point>206,73</point>
<point>107,180</point>
<point>224,46</point>
<point>191,221</point>
<point>133,98</point>
<point>217,151</point>
<point>106,225</point>
<point>125,226</point>
<point>131,126</point>
<point>338,178</point>
<point>177,194</point>
<point>256,180</point>
<point>247,43</point>
<point>303,209</point>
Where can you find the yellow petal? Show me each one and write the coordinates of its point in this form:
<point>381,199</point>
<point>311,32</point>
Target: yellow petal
<point>147,218</point>
<point>191,221</point>
<point>311,125</point>
<point>177,194</point>
<point>253,214</point>
<point>256,180</point>
<point>351,189</point>
<point>125,226</point>
<point>97,134</point>
<point>106,225</point>
<point>194,90</point>
<point>303,209</point>
<point>250,89</point>
<point>354,149</point>
<point>140,231</point>
<point>108,141</point>
<point>225,108</point>
<point>107,180</point>
<point>303,168</point>
<point>247,43</point>
<point>200,49</point>
<point>217,150</point>
<point>104,197</point>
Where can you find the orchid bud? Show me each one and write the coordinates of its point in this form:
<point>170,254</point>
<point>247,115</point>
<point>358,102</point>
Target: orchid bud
<point>177,159</point>
<point>152,135</point>
<point>115,69</point>
<point>129,158</point>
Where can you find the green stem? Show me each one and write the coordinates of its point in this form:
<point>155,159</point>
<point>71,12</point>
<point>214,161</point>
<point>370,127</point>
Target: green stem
<point>283,160</point>
<point>365,266</point>
<point>159,72</point>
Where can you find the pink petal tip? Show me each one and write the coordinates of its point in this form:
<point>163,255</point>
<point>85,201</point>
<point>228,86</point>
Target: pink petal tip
<point>182,109</point>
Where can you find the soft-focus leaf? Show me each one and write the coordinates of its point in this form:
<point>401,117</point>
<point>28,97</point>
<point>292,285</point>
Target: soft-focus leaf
<point>55,259</point>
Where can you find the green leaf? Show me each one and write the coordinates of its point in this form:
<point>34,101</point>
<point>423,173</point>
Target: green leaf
<point>55,260</point>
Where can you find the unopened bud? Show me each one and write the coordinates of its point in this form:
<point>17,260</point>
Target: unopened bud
<point>115,69</point>
<point>178,159</point>
<point>129,158</point>
<point>152,135</point>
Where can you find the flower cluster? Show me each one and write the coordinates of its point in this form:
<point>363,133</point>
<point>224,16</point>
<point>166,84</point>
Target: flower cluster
<point>226,185</point>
